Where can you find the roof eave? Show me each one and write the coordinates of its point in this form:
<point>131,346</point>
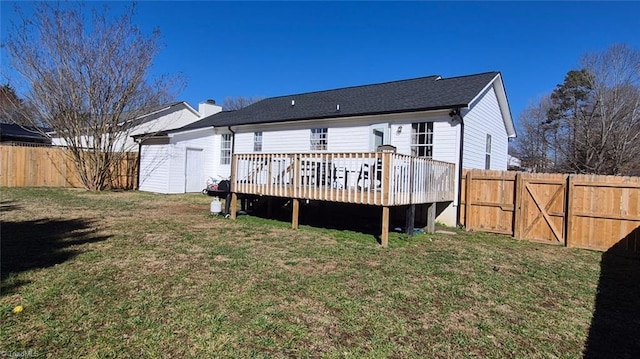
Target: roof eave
<point>344,115</point>
<point>503,103</point>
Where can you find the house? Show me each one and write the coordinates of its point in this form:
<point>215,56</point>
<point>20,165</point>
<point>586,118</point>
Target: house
<point>13,133</point>
<point>462,120</point>
<point>160,118</point>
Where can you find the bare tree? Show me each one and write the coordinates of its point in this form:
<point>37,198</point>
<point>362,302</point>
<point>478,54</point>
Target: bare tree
<point>12,108</point>
<point>612,132</point>
<point>591,122</point>
<point>86,78</point>
<point>236,103</point>
<point>533,146</point>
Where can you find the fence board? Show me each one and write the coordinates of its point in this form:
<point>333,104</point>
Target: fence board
<point>541,208</point>
<point>605,213</point>
<point>488,201</point>
<point>583,211</point>
<point>25,166</point>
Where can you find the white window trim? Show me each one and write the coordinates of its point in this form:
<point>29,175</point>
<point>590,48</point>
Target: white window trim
<point>415,146</point>
<point>487,155</point>
<point>322,141</point>
<point>257,145</point>
<point>224,159</point>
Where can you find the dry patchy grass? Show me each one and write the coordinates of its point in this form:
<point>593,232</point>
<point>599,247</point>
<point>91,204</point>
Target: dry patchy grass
<point>143,275</point>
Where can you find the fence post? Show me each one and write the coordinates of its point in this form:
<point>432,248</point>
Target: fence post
<point>517,208</point>
<point>467,202</point>
<point>568,211</point>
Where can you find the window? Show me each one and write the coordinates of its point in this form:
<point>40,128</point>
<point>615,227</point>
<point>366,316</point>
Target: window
<point>318,139</point>
<point>487,156</point>
<point>225,149</point>
<point>422,139</point>
<point>257,141</point>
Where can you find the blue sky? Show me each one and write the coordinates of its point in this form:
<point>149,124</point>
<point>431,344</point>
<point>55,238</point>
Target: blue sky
<point>227,49</point>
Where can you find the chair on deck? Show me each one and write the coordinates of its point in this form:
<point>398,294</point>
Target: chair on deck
<point>369,171</point>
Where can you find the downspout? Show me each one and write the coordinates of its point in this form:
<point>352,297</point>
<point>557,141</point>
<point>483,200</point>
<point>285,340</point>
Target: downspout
<point>233,141</point>
<point>230,195</point>
<point>233,150</point>
<point>139,158</point>
<point>457,113</point>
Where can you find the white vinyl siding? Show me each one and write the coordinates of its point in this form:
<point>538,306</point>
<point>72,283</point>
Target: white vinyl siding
<point>484,117</point>
<point>171,118</point>
<point>163,167</point>
<point>296,138</point>
<point>154,168</point>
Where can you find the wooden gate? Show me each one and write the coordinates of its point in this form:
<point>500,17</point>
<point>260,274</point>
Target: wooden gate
<point>488,201</point>
<point>541,207</point>
<point>585,211</point>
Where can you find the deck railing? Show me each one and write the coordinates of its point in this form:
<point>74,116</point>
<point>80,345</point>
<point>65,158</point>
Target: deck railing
<point>374,178</point>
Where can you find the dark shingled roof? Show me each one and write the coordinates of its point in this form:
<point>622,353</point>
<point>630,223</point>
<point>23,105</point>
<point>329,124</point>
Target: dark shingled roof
<point>419,94</point>
<point>13,132</point>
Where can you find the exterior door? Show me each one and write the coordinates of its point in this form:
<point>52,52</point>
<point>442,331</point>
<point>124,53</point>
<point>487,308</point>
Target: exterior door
<point>194,170</point>
<point>379,135</point>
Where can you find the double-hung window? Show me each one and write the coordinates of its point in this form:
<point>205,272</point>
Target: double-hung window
<point>318,139</point>
<point>422,139</point>
<point>257,141</point>
<point>487,156</point>
<point>225,149</point>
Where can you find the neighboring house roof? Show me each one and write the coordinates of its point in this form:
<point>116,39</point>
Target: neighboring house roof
<point>412,95</point>
<point>148,115</point>
<point>143,116</point>
<point>13,132</point>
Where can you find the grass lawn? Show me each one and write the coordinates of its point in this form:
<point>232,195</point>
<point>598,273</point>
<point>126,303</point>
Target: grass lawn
<point>112,275</point>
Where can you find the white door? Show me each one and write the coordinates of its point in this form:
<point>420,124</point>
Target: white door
<point>194,171</point>
<point>379,135</point>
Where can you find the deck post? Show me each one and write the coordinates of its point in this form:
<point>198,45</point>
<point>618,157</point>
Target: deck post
<point>234,205</point>
<point>410,218</point>
<point>431,218</point>
<point>384,236</point>
<point>269,206</point>
<point>410,214</point>
<point>296,212</point>
<point>386,178</point>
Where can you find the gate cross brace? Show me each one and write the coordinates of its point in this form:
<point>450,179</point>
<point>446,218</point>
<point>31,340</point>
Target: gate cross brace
<point>543,212</point>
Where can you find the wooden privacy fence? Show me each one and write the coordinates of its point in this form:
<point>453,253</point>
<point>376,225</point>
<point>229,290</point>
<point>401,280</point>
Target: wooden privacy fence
<point>22,166</point>
<point>584,211</point>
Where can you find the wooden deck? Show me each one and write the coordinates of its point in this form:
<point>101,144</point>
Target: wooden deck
<point>369,178</point>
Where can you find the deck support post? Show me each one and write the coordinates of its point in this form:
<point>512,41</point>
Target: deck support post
<point>296,212</point>
<point>410,218</point>
<point>233,208</point>
<point>431,217</point>
<point>384,236</point>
